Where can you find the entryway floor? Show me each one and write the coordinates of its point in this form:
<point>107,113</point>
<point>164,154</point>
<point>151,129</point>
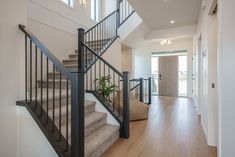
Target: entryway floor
<point>172,130</point>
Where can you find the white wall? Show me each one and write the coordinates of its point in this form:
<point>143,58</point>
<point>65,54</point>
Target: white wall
<point>100,108</point>
<point>142,58</point>
<point>226,77</point>
<point>108,6</point>
<point>127,60</point>
<point>56,24</point>
<point>113,55</point>
<point>12,12</point>
<point>206,97</point>
<point>31,141</point>
<point>129,26</point>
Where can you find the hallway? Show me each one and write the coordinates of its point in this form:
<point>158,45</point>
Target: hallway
<point>173,130</point>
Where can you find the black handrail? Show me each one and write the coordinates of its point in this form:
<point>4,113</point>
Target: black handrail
<point>125,10</point>
<point>141,86</point>
<point>45,50</point>
<point>133,88</point>
<point>100,22</point>
<point>103,60</point>
<point>41,66</point>
<point>96,67</point>
<point>127,17</point>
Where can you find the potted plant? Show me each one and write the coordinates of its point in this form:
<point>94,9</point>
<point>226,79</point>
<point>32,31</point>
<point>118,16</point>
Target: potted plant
<point>105,88</point>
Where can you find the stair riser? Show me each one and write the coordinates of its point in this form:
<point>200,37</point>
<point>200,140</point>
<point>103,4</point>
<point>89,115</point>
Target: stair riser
<point>97,42</point>
<point>43,84</point>
<point>57,76</point>
<point>75,56</point>
<point>88,109</point>
<point>90,129</point>
<point>65,62</point>
<point>56,102</point>
<point>71,63</point>
<point>104,146</point>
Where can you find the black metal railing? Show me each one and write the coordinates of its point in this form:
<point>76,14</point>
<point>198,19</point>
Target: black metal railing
<point>104,33</point>
<point>101,36</point>
<point>141,88</point>
<point>117,101</point>
<point>126,10</point>
<point>91,45</point>
<point>54,96</point>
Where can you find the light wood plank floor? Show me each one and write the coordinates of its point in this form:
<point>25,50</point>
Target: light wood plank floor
<point>172,130</point>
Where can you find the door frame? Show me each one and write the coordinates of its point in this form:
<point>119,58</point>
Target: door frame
<point>165,53</point>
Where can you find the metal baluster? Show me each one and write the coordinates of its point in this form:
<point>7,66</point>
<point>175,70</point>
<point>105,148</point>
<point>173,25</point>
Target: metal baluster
<point>119,95</point>
<point>30,71</point>
<point>36,72</point>
<point>53,98</point>
<point>47,90</point>
<point>91,78</point>
<point>114,101</point>
<point>26,68</point>
<point>95,73</point>
<point>99,68</point>
<point>60,107</point>
<point>67,113</point>
<point>104,69</point>
<point>41,82</point>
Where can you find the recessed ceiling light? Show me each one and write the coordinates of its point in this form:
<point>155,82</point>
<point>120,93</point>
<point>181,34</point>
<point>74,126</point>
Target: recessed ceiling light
<point>172,22</point>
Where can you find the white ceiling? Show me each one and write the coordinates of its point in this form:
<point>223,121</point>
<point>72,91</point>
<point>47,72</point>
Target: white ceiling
<point>158,14</point>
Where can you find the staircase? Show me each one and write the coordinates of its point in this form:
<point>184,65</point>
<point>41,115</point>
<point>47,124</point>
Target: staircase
<point>55,90</point>
<point>98,134</point>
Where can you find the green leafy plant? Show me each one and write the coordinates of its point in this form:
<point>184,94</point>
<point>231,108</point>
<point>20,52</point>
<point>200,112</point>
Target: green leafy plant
<point>105,87</point>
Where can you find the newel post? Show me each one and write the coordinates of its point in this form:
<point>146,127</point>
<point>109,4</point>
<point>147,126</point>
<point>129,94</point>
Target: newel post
<point>126,106</point>
<point>150,90</point>
<point>80,48</point>
<point>141,90</point>
<point>77,102</point>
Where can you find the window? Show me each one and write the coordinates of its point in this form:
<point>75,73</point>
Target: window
<point>95,10</point>
<point>68,2</point>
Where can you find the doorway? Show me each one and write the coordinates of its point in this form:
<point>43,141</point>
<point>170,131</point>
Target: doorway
<point>182,75</point>
<point>169,73</point>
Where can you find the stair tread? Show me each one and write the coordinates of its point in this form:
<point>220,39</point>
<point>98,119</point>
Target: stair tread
<point>50,93</point>
<point>56,80</point>
<point>87,104</point>
<point>93,121</point>
<point>99,138</point>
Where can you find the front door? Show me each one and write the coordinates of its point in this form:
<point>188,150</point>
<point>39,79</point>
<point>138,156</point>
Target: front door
<point>168,76</point>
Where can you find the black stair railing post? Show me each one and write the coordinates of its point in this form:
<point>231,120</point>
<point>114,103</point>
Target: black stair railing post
<point>118,16</point>
<point>126,105</point>
<point>77,114</point>
<point>150,90</point>
<point>141,90</point>
<point>80,49</point>
<point>77,102</point>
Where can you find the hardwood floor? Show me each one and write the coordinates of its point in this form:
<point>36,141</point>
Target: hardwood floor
<point>172,130</point>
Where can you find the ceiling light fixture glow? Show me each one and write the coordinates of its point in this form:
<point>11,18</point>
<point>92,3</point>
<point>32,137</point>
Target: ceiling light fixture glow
<point>172,22</point>
<point>165,42</point>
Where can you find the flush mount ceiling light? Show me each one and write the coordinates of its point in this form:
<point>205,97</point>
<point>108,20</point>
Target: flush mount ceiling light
<point>172,22</point>
<point>165,42</point>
